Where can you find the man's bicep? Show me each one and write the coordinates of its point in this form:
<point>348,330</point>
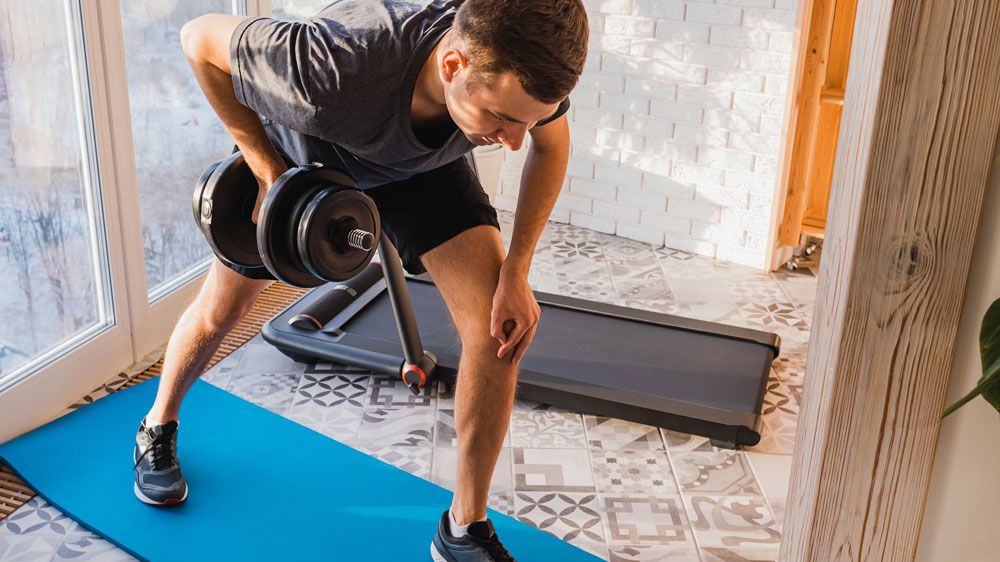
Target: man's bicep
<point>208,38</point>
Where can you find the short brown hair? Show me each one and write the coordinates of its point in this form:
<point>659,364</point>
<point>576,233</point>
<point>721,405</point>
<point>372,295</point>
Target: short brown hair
<point>543,42</point>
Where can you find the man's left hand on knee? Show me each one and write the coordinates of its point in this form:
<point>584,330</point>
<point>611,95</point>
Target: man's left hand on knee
<point>515,314</point>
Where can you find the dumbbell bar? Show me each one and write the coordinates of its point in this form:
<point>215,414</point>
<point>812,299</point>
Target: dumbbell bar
<point>314,226</point>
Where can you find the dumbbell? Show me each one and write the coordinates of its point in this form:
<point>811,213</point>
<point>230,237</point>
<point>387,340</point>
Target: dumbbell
<point>314,225</point>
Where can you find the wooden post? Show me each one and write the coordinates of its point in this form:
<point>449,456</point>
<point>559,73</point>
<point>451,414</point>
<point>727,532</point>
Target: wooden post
<point>919,129</point>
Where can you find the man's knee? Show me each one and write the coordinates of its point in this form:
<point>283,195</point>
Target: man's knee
<point>221,315</point>
<point>479,343</point>
<point>472,317</point>
<point>225,298</point>
<point>476,337</point>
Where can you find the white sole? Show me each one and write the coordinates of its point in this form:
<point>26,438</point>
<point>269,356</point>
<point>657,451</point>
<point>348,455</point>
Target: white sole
<point>435,555</point>
<point>147,500</point>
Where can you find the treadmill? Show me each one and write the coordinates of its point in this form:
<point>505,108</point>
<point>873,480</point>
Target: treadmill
<point>678,373</point>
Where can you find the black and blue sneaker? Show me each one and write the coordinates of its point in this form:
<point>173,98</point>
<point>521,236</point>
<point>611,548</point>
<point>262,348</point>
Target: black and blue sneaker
<point>481,544</point>
<point>158,478</point>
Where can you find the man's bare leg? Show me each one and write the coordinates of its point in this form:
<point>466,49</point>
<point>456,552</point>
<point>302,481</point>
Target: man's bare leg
<point>466,270</point>
<point>223,300</point>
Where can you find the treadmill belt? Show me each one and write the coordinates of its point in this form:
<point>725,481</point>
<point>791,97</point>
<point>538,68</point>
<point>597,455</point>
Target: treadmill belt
<point>437,332</point>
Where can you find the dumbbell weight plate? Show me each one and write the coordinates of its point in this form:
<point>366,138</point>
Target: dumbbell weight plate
<point>316,248</point>
<point>223,204</point>
<point>277,214</point>
<point>294,218</point>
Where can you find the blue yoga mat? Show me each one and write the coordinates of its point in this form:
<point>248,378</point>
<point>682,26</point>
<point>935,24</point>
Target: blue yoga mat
<point>242,462</point>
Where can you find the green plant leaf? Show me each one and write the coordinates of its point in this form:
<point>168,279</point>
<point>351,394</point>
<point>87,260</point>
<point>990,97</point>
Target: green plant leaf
<point>989,347</point>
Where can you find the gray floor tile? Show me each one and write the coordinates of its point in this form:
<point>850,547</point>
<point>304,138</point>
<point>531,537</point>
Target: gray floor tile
<point>613,433</point>
<point>633,471</point>
<point>560,470</point>
<point>340,423</point>
<point>572,517</point>
<point>740,554</point>
<point>259,357</point>
<point>269,390</point>
<point>652,553</point>
<point>645,519</point>
<point>84,545</point>
<point>32,547</point>
<point>718,473</point>
<point>732,521</point>
<point>396,426</point>
<point>37,517</point>
<point>415,459</point>
<point>546,428</point>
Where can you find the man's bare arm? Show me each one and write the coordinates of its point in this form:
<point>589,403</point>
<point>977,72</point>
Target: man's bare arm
<point>205,40</point>
<point>541,181</point>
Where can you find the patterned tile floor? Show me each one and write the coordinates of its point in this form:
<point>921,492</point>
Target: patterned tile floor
<point>624,491</point>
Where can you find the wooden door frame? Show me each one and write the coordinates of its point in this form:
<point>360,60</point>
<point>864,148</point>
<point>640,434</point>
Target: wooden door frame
<point>919,129</point>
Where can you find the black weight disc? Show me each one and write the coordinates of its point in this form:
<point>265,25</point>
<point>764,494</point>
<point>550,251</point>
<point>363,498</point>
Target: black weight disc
<point>294,216</point>
<point>223,204</point>
<point>275,220</point>
<point>321,257</point>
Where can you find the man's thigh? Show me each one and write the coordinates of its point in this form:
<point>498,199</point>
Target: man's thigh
<point>466,269</point>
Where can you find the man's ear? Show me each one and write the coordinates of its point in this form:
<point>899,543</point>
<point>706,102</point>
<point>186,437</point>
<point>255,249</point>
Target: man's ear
<point>453,63</point>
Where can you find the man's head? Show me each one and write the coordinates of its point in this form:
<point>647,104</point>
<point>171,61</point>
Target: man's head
<point>510,64</point>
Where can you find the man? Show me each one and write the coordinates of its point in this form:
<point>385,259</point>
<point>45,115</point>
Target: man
<point>394,93</point>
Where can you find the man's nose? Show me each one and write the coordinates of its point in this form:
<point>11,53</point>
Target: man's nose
<point>513,136</point>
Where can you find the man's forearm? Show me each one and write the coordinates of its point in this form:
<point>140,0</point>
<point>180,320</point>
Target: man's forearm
<point>541,181</point>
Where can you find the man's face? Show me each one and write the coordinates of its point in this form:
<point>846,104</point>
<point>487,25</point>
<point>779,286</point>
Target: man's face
<point>492,111</point>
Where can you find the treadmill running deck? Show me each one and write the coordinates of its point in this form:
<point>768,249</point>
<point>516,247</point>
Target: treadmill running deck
<point>678,373</point>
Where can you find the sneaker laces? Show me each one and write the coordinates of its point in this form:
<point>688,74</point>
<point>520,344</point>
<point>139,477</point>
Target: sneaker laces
<point>493,547</point>
<point>164,454</point>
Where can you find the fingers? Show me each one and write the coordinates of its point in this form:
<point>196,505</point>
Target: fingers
<point>259,202</point>
<point>523,345</point>
<point>499,328</point>
<point>522,336</point>
<point>256,211</point>
<point>520,328</point>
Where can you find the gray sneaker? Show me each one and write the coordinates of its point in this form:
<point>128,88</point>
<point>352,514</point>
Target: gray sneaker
<point>158,479</point>
<point>481,544</point>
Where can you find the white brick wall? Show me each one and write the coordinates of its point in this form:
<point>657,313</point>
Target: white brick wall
<point>676,124</point>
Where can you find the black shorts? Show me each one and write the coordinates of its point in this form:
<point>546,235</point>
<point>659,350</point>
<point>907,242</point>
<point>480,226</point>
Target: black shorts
<point>421,213</point>
<point>425,211</point>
